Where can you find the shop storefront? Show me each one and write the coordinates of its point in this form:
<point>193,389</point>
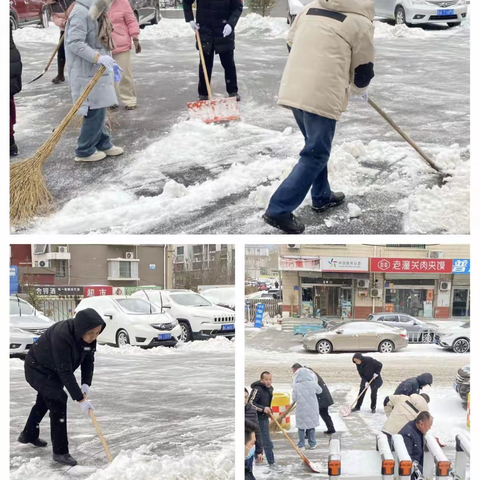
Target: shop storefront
<point>412,296</point>
<point>461,288</point>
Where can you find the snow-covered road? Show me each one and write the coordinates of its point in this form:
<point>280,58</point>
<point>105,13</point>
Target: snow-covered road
<point>276,351</point>
<point>181,176</point>
<point>165,413</point>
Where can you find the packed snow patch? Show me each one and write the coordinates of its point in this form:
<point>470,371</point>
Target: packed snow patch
<point>35,34</point>
<point>354,211</point>
<point>269,27</point>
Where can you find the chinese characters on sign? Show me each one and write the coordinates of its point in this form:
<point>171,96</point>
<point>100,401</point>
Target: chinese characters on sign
<point>411,265</point>
<point>461,265</point>
<point>344,264</point>
<point>97,291</point>
<point>300,263</point>
<point>52,291</point>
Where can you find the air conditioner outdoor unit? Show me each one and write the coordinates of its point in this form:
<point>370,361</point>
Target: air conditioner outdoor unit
<point>293,246</point>
<point>435,254</point>
<point>444,286</point>
<point>363,283</point>
<point>376,292</point>
<point>44,264</point>
<point>62,250</point>
<point>129,255</point>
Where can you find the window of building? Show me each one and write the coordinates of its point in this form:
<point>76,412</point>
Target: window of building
<point>401,245</point>
<point>39,249</point>
<point>61,268</point>
<point>197,249</point>
<point>212,248</point>
<point>180,250</point>
<point>122,269</point>
<point>125,269</point>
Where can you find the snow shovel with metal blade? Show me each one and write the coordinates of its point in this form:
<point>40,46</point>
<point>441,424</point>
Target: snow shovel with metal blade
<point>430,162</point>
<point>212,111</point>
<point>100,434</point>
<point>307,462</point>
<point>346,411</point>
<point>50,61</point>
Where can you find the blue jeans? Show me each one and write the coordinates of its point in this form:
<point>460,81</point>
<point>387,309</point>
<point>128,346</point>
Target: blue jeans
<point>266,440</point>
<point>312,441</point>
<point>249,463</point>
<point>311,169</point>
<point>93,135</point>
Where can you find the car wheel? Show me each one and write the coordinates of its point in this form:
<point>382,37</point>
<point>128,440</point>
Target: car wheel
<point>453,24</point>
<point>400,18</point>
<point>386,347</point>
<point>462,345</point>
<point>157,17</point>
<point>45,18</point>
<point>13,22</point>
<point>186,335</point>
<point>427,338</point>
<point>122,338</point>
<point>324,347</point>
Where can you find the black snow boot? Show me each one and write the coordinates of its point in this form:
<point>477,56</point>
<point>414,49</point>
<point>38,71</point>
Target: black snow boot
<point>13,150</point>
<point>38,442</point>
<point>287,223</point>
<point>202,98</point>
<point>236,95</point>
<point>329,432</point>
<point>335,200</point>
<point>374,410</point>
<point>65,459</point>
<point>356,409</point>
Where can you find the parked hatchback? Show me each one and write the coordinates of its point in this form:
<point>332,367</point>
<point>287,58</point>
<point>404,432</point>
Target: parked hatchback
<point>409,12</point>
<point>28,12</point>
<point>133,321</point>
<point>147,12</point>
<point>418,331</point>
<point>356,337</point>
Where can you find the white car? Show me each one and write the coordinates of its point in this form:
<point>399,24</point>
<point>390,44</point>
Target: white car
<point>409,12</point>
<point>21,307</point>
<point>132,321</point>
<point>222,296</point>
<point>294,7</point>
<point>21,342</point>
<point>454,338</point>
<point>32,324</point>
<point>199,318</point>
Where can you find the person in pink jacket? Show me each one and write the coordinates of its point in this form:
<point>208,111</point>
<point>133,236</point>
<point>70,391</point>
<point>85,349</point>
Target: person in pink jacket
<point>125,29</point>
<point>60,10</point>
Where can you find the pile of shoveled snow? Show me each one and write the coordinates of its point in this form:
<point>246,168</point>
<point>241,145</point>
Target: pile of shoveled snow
<point>384,30</point>
<point>218,344</point>
<point>35,34</point>
<point>270,27</point>
<point>139,464</point>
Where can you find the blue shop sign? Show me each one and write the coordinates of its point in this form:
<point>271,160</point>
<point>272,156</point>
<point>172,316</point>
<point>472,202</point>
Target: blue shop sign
<point>461,266</point>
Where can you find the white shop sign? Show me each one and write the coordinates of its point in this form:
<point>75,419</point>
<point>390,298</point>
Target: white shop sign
<point>344,264</point>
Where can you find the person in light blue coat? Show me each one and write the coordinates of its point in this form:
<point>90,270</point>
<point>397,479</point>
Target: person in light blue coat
<point>88,46</point>
<point>307,417</point>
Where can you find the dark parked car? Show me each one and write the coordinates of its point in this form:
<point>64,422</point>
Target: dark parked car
<point>28,12</point>
<point>146,11</point>
<point>418,331</point>
<point>462,382</point>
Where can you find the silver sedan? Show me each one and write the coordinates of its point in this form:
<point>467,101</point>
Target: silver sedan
<point>356,337</point>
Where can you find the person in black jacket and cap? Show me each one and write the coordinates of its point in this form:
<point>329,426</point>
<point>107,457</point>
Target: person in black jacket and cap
<point>49,368</point>
<point>368,368</point>
<point>414,385</point>
<point>215,22</point>
<point>251,416</point>
<point>325,400</point>
<point>15,87</point>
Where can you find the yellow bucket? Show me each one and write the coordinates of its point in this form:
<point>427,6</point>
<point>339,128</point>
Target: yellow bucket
<point>280,403</point>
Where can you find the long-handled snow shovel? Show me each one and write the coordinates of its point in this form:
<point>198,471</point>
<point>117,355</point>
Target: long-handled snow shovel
<point>50,61</point>
<point>100,435</point>
<point>430,162</point>
<point>29,195</point>
<point>289,410</point>
<point>212,111</point>
<point>307,462</point>
<point>347,410</point>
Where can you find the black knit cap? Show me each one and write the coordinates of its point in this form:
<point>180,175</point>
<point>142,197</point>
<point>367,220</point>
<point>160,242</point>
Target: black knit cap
<point>296,365</point>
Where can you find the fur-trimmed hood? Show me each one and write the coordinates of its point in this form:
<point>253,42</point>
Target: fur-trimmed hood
<point>96,7</point>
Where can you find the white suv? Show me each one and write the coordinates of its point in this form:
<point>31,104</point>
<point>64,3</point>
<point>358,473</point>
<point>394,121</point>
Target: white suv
<point>198,317</point>
<point>451,12</point>
<point>454,338</point>
<point>133,321</point>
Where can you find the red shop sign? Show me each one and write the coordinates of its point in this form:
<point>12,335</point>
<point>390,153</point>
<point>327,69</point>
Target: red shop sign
<point>95,291</point>
<point>411,265</point>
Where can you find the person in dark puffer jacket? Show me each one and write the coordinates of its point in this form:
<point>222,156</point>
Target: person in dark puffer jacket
<point>368,368</point>
<point>251,416</point>
<point>15,87</point>
<point>49,368</point>
<point>414,385</point>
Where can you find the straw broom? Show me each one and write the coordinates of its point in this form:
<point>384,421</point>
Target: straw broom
<point>29,195</point>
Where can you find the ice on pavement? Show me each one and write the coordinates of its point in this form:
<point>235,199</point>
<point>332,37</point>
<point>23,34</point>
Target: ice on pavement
<point>354,211</point>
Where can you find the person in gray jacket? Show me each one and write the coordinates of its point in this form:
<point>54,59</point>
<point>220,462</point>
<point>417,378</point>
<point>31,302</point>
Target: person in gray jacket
<point>88,45</point>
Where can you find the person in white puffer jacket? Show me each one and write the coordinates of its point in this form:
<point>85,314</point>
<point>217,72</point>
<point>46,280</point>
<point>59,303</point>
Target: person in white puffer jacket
<point>307,417</point>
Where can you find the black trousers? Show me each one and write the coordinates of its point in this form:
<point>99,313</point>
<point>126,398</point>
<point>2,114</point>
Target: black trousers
<point>55,401</point>
<point>228,63</point>
<point>61,58</point>
<point>373,395</point>
<point>327,419</point>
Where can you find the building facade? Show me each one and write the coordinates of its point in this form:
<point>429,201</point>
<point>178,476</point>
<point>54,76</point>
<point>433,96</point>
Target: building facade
<point>260,261</point>
<point>352,281</point>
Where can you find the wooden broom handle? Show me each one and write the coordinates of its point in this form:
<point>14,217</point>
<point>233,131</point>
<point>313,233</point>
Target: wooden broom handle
<point>304,458</point>
<point>284,414</point>
<point>100,434</point>
<point>364,390</point>
<point>202,59</point>
<point>55,51</point>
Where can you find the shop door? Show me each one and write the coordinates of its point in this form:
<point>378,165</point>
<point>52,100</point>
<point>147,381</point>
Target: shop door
<point>327,301</point>
<point>460,302</point>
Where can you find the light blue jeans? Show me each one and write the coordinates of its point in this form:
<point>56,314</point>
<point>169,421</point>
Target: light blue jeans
<point>310,432</point>
<point>93,135</point>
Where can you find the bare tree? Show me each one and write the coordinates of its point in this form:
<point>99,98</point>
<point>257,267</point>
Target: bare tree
<point>262,7</point>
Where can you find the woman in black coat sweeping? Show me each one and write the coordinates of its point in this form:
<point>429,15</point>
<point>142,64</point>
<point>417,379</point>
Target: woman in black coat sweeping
<point>15,87</point>
<point>50,366</point>
<point>215,22</point>
<point>368,368</point>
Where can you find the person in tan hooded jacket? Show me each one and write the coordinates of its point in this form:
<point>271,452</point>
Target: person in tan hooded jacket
<point>331,57</point>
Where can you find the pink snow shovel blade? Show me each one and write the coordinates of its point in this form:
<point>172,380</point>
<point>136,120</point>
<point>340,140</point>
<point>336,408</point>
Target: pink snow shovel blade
<point>307,462</point>
<point>212,111</point>
<point>347,410</point>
